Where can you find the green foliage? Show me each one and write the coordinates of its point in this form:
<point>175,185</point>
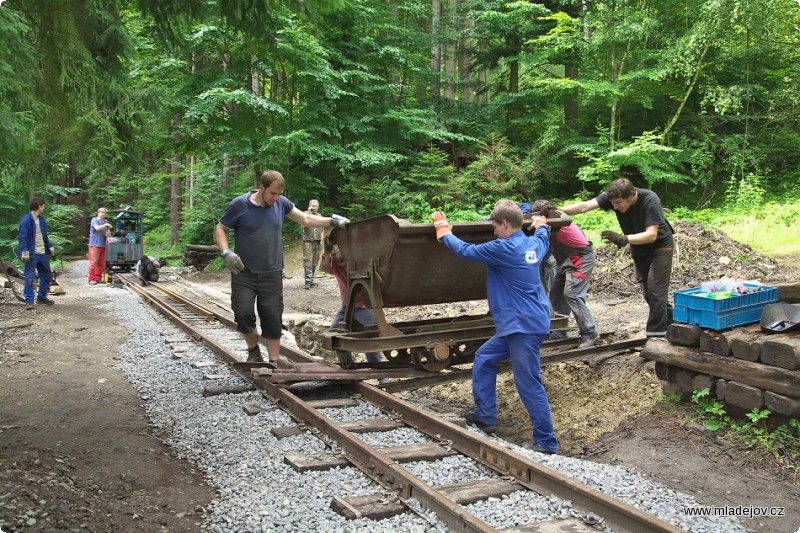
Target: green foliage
<point>64,228</point>
<point>498,173</point>
<point>431,176</point>
<point>745,195</point>
<point>656,161</point>
<point>385,196</point>
<point>782,439</point>
<point>711,411</point>
<point>342,99</point>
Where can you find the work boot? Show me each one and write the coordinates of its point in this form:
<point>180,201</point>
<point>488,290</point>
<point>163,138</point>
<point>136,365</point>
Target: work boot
<point>536,447</point>
<point>29,306</point>
<point>45,301</point>
<point>588,342</point>
<point>254,355</point>
<point>489,429</point>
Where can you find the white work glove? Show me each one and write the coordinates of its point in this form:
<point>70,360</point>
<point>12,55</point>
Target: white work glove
<point>52,252</point>
<point>232,261</point>
<point>338,221</point>
<point>26,256</point>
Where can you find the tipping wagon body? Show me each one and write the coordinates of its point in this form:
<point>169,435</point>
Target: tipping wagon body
<point>394,263</point>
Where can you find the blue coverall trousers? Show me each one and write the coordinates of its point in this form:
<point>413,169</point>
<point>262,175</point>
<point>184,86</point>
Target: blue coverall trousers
<point>39,263</point>
<point>523,350</point>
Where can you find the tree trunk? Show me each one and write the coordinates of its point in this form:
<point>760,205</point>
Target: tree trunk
<point>571,100</point>
<point>450,57</point>
<point>513,90</point>
<point>175,187</point>
<point>436,49</point>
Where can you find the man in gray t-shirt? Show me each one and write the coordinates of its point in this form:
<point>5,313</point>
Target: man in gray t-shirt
<point>256,265</point>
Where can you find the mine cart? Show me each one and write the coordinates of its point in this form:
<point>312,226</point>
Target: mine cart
<point>394,263</point>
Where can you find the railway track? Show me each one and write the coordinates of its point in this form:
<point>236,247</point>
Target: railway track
<point>514,471</point>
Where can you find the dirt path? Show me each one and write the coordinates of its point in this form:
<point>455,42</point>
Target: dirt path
<point>76,450</point>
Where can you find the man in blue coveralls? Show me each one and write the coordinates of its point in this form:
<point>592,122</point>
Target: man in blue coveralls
<point>521,313</point>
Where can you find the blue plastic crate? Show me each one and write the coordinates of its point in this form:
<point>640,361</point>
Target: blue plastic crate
<point>739,309</point>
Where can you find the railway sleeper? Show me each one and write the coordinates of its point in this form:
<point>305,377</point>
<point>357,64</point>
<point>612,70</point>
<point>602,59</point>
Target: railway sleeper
<point>400,454</point>
<point>380,505</point>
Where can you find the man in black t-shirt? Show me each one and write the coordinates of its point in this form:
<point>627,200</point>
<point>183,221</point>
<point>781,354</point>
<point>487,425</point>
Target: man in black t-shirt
<point>645,228</point>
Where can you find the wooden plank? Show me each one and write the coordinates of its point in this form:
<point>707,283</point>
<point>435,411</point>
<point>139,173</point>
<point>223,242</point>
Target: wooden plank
<point>212,377</point>
<point>740,395</point>
<point>782,405</point>
<point>204,364</point>
<point>724,344</point>
<point>216,390</point>
<point>335,402</point>
<point>372,425</point>
<point>781,351</point>
<point>378,506</point>
<point>684,334</point>
<point>764,377</point>
<point>789,292</point>
<point>709,341</point>
<point>286,431</point>
<point>253,409</point>
<point>400,454</point>
<point>746,347</point>
<point>704,381</point>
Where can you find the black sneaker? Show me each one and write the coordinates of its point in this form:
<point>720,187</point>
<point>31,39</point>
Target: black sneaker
<point>254,355</point>
<point>535,447</point>
<point>45,301</point>
<point>489,429</point>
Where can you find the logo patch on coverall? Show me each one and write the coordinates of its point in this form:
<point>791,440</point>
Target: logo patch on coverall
<point>530,257</point>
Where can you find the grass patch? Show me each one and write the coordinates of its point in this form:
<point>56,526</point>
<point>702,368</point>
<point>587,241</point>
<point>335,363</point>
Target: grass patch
<point>766,237</point>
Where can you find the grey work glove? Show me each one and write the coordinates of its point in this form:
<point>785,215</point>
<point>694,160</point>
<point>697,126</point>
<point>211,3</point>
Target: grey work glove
<point>618,239</point>
<point>232,261</point>
<point>52,252</point>
<point>26,256</point>
<point>338,221</point>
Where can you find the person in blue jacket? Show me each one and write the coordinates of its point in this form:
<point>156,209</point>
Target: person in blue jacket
<point>521,313</point>
<point>34,247</point>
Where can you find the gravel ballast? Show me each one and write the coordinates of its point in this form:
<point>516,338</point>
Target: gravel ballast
<point>257,491</point>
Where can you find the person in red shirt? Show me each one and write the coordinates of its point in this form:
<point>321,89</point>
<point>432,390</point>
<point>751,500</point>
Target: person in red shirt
<point>575,258</point>
<point>332,262</point>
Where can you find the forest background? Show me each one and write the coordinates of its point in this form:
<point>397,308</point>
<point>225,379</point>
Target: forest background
<point>382,106</point>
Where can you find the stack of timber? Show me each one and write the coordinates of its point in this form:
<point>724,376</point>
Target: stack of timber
<point>199,256</point>
<point>744,368</point>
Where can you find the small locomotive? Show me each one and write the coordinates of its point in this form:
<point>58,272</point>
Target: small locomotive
<point>124,248</point>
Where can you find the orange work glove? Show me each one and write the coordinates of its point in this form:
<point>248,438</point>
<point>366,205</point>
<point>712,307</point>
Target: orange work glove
<point>440,223</point>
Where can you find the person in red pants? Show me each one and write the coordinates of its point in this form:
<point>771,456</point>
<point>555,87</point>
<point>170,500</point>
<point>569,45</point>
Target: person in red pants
<point>98,232</point>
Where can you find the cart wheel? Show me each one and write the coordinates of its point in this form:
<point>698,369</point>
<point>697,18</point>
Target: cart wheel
<point>431,360</point>
<point>402,355</point>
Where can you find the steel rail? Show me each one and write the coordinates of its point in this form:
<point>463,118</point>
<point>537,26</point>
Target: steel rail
<point>533,475</point>
<point>463,374</point>
<point>386,472</point>
<point>374,463</point>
